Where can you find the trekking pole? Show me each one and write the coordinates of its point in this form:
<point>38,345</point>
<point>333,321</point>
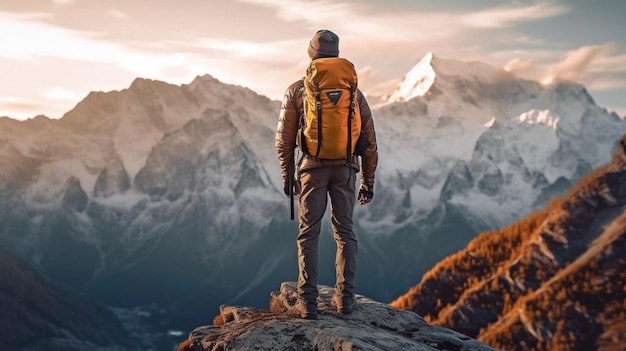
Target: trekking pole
<point>291,180</point>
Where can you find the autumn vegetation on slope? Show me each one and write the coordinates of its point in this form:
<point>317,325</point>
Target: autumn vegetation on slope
<point>552,281</point>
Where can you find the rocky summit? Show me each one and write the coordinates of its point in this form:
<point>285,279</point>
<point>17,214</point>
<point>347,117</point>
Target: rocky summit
<point>372,326</point>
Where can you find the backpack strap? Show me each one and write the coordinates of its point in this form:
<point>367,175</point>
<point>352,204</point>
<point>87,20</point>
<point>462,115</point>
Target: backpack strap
<point>318,107</point>
<point>350,115</point>
<point>302,119</point>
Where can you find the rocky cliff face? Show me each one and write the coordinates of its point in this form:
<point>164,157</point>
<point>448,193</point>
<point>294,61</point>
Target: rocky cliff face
<point>113,179</point>
<point>372,326</point>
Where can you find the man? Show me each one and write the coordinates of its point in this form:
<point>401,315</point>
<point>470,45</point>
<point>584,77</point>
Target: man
<point>318,178</point>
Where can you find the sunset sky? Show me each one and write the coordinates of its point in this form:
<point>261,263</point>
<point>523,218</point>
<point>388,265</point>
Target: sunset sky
<point>54,52</point>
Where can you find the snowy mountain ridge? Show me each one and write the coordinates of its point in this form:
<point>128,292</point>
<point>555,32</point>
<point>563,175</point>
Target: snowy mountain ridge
<point>442,109</point>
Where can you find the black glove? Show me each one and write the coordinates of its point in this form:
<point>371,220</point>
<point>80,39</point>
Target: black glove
<point>366,194</point>
<point>296,188</point>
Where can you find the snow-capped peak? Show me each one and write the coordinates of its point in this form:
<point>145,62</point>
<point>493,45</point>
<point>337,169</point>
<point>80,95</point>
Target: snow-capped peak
<point>419,80</point>
<point>415,83</point>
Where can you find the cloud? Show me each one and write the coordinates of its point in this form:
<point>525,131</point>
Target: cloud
<point>21,108</point>
<point>310,11</point>
<point>521,68</point>
<point>14,103</point>
<point>14,46</point>
<point>507,16</point>
<point>597,67</point>
<point>380,24</point>
<point>240,48</point>
<point>64,94</point>
<point>372,84</point>
<point>118,14</point>
<point>352,20</point>
<point>577,65</point>
<point>32,38</point>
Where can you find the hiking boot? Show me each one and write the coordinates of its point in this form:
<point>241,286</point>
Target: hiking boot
<point>309,310</point>
<point>344,305</point>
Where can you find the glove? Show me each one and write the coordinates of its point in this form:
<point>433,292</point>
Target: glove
<point>296,188</point>
<point>286,189</point>
<point>366,194</point>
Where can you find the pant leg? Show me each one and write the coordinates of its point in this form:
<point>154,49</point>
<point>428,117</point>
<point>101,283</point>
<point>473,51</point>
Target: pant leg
<point>311,207</point>
<point>342,198</point>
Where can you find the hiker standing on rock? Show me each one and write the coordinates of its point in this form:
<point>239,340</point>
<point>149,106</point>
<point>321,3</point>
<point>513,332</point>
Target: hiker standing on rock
<point>329,119</point>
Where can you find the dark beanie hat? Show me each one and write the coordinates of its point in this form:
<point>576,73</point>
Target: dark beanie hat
<point>324,44</point>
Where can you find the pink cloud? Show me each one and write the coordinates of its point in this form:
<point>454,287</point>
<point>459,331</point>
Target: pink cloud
<point>577,64</point>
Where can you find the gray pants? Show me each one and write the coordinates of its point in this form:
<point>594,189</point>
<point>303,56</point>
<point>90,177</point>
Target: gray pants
<point>316,185</point>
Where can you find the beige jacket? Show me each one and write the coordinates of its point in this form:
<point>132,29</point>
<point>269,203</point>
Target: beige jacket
<point>288,123</point>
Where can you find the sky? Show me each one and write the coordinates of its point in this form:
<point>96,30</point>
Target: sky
<point>54,52</point>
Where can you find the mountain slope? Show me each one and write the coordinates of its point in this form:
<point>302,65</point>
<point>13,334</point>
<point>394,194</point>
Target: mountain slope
<point>38,313</point>
<point>551,281</point>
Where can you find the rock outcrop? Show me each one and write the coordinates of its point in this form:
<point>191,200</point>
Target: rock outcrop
<point>372,326</point>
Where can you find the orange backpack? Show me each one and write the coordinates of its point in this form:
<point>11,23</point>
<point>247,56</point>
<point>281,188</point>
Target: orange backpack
<point>331,112</point>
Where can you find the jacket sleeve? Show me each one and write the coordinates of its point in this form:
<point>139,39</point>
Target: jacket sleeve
<point>287,130</point>
<point>369,160</point>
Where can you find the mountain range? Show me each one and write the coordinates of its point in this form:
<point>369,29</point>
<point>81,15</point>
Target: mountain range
<point>155,203</point>
<point>165,195</point>
<point>552,281</point>
<point>473,148</point>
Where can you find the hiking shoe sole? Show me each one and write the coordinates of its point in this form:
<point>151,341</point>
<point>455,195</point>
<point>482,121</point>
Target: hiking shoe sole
<point>310,316</point>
